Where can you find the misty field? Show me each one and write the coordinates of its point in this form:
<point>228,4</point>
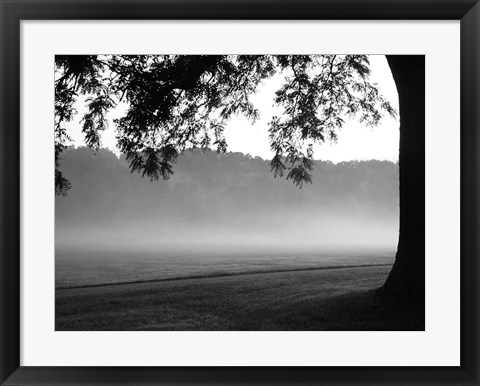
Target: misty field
<point>213,290</point>
<point>80,268</point>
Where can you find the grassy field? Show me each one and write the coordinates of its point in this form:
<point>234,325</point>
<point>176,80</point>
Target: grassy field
<point>74,268</point>
<point>312,299</point>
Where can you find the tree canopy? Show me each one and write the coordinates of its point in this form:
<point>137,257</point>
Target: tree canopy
<point>176,102</point>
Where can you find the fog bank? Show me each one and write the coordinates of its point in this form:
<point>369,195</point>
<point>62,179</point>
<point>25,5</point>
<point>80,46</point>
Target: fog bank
<point>224,200</point>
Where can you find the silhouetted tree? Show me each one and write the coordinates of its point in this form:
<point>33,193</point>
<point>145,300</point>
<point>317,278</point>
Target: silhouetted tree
<point>177,102</point>
<point>181,101</point>
<point>407,277</point>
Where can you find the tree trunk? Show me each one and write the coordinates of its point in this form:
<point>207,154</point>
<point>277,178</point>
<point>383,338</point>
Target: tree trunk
<point>407,278</point>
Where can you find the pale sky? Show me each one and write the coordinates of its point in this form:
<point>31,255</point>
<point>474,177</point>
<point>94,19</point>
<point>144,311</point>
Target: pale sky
<point>355,141</point>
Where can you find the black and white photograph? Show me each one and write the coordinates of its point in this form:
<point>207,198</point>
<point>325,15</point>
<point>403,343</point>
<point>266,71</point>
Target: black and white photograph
<point>239,192</point>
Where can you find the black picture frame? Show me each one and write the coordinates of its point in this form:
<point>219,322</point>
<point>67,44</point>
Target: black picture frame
<point>13,11</point>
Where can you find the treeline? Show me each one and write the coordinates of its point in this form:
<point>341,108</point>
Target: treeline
<point>212,191</point>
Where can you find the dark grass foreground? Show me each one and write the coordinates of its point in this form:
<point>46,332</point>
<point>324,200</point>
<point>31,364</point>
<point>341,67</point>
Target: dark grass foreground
<point>307,300</point>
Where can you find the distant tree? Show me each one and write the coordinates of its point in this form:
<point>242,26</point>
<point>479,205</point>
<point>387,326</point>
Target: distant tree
<point>181,101</point>
<point>366,187</point>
